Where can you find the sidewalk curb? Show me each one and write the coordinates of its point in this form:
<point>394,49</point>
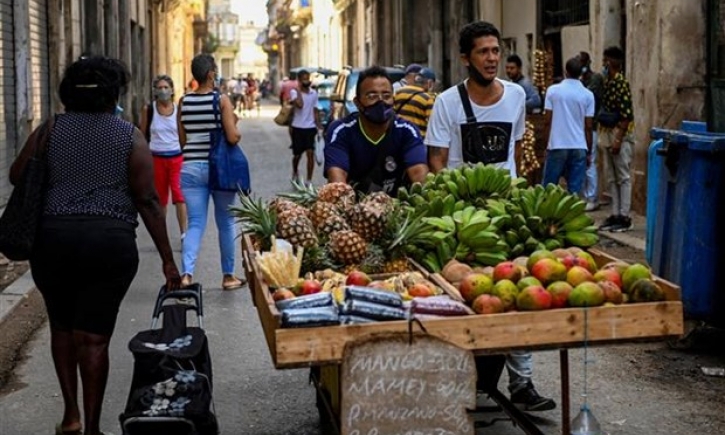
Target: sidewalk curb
<point>625,239</point>
<point>13,295</point>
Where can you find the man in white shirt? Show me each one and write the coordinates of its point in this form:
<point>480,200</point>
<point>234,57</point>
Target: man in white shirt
<point>305,124</point>
<point>497,110</point>
<point>568,117</point>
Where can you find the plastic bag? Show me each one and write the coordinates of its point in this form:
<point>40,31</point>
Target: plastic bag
<point>320,149</point>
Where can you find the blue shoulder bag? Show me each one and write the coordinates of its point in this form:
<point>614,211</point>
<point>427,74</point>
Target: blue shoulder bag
<point>228,166</point>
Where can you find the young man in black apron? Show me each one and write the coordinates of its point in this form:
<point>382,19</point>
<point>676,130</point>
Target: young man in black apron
<point>483,120</point>
<point>374,150</point>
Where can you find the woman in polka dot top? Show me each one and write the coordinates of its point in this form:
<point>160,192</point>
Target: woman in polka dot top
<point>99,179</point>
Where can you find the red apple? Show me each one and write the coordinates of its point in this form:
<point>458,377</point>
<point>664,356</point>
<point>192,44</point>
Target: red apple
<point>310,286</point>
<point>358,278</point>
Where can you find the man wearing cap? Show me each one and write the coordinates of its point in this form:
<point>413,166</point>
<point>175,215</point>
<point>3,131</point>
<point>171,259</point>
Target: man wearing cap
<point>410,72</point>
<point>414,103</point>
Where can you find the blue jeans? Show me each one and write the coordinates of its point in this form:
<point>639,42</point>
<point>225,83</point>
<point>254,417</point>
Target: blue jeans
<point>195,186</point>
<point>570,164</point>
<point>520,366</point>
<point>590,191</point>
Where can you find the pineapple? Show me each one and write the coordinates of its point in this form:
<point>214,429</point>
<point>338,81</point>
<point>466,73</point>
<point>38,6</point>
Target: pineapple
<point>347,247</point>
<point>368,220</point>
<point>381,198</point>
<point>374,260</point>
<point>320,212</point>
<point>340,194</point>
<point>396,265</point>
<point>280,204</point>
<point>350,268</point>
<point>316,259</point>
<point>303,194</point>
<point>256,219</point>
<point>332,224</point>
<point>296,229</point>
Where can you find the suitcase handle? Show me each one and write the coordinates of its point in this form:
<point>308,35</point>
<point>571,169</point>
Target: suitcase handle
<point>192,291</point>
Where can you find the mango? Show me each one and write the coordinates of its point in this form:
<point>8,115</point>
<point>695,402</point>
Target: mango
<point>646,290</point>
<point>536,256</point>
<point>533,298</point>
<point>527,281</point>
<point>577,275</point>
<point>506,270</point>
<point>612,292</point>
<point>487,304</point>
<point>634,273</point>
<point>548,270</point>
<point>587,294</point>
<point>560,292</point>
<point>506,291</point>
<point>611,275</point>
<point>474,285</point>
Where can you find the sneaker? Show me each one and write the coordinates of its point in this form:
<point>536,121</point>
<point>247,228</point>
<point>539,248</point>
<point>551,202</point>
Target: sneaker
<point>624,223</point>
<point>609,223</point>
<point>528,399</point>
<point>591,206</point>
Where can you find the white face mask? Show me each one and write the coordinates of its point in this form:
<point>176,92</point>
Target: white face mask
<point>163,94</point>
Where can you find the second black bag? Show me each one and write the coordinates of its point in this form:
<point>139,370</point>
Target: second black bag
<point>19,222</point>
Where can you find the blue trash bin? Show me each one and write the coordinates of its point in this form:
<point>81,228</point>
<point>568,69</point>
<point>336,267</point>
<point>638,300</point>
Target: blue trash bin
<point>654,169</point>
<point>687,229</point>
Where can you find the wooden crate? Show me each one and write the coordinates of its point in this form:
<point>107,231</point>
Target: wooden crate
<point>550,329</point>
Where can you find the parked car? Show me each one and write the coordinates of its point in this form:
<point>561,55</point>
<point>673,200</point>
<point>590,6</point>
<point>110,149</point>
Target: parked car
<point>344,91</point>
<point>324,92</point>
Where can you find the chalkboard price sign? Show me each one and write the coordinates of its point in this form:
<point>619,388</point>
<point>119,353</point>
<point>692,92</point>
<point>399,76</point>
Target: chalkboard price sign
<point>393,387</point>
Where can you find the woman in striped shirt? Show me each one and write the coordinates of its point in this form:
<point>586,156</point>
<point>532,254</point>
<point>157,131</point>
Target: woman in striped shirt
<point>196,121</point>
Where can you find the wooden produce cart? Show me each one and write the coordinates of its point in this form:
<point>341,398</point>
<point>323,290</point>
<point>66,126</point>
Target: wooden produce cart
<point>561,329</point>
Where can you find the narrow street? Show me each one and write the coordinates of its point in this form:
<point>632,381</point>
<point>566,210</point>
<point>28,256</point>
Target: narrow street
<point>633,390</point>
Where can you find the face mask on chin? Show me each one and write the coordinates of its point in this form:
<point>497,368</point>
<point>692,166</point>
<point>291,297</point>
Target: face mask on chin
<point>306,84</point>
<point>378,113</point>
<point>477,77</point>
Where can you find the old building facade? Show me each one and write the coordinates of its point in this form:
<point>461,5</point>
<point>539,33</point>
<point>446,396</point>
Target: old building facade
<point>39,38</point>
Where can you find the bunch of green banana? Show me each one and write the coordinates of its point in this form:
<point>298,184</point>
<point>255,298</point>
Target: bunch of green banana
<point>550,218</point>
<point>467,183</point>
<point>476,237</point>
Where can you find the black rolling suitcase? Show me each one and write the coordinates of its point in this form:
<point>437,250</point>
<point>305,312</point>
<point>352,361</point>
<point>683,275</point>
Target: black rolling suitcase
<point>171,387</point>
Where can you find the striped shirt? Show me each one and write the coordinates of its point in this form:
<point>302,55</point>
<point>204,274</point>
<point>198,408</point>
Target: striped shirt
<point>197,120</point>
<point>414,104</point>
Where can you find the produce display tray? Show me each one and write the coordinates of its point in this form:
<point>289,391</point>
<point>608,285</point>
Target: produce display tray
<point>493,333</point>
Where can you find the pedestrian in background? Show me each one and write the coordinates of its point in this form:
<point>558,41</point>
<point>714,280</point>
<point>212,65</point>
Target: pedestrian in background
<point>288,83</point>
<point>498,108</point>
<point>100,178</point>
<point>414,102</point>
<point>197,118</point>
<point>513,72</point>
<point>159,126</point>
<point>410,72</point>
<point>595,83</point>
<point>305,124</point>
<point>568,119</point>
<point>616,140</point>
